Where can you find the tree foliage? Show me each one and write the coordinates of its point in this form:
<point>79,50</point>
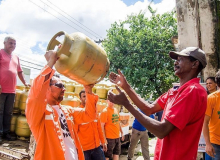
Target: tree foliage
<point>139,46</point>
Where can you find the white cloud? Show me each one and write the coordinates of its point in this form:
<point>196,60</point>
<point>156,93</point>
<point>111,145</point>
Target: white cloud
<point>33,26</point>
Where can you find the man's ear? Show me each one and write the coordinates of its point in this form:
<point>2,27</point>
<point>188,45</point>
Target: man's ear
<point>195,64</point>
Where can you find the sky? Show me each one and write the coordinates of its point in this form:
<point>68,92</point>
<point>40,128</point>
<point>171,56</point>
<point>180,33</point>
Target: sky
<point>34,22</point>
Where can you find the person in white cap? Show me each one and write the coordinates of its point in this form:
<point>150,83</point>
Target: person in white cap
<point>183,107</point>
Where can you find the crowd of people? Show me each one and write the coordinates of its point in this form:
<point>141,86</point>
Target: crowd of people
<point>68,133</point>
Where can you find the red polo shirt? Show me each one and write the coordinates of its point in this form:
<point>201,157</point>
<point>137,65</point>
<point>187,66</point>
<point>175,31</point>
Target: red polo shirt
<point>9,68</point>
<point>184,107</point>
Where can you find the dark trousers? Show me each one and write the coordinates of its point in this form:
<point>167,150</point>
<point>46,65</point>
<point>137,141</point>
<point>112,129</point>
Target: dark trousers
<point>217,151</point>
<point>6,109</point>
<point>94,154</point>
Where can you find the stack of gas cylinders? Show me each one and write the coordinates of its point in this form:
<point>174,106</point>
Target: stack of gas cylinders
<point>19,124</point>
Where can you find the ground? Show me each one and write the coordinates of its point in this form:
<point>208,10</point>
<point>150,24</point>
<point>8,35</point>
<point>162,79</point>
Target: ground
<point>137,155</point>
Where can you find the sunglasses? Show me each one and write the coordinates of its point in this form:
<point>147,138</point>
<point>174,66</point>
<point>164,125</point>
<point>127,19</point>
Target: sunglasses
<point>58,85</point>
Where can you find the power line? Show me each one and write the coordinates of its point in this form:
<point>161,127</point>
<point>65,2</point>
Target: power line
<point>53,15</point>
<point>74,19</point>
<point>70,19</point>
<point>30,67</point>
<point>31,63</point>
<point>60,18</point>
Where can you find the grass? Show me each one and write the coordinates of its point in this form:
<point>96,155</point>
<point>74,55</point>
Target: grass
<point>151,155</point>
<point>139,153</point>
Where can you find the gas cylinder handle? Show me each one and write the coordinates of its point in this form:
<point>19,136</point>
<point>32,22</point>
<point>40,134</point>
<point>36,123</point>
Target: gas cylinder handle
<point>60,47</point>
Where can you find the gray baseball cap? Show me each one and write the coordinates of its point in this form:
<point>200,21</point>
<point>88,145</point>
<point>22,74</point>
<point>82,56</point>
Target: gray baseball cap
<point>195,52</point>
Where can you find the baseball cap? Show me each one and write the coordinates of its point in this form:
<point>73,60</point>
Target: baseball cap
<point>194,52</point>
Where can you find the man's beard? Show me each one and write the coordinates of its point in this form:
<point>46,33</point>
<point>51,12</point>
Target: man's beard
<point>60,98</point>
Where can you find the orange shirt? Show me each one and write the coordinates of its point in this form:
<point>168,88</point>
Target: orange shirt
<point>213,111</point>
<point>90,134</point>
<point>111,119</point>
<point>44,123</point>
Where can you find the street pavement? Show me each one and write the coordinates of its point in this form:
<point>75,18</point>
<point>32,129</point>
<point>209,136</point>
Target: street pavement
<point>137,155</point>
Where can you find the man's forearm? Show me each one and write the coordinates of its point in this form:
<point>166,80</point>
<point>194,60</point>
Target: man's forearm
<point>21,77</point>
<point>121,130</point>
<point>146,107</point>
<point>103,130</point>
<point>206,133</point>
<point>159,129</point>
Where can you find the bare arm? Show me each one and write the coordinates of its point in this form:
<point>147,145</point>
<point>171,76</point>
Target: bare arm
<point>122,135</point>
<point>121,81</point>
<point>103,130</point>
<point>102,136</point>
<point>209,148</point>
<point>159,129</point>
<point>51,58</point>
<point>21,77</point>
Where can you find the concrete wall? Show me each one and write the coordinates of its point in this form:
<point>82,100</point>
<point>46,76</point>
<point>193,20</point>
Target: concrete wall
<point>197,25</point>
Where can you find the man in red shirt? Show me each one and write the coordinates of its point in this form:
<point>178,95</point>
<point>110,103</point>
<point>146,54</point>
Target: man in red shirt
<point>183,107</point>
<point>9,69</point>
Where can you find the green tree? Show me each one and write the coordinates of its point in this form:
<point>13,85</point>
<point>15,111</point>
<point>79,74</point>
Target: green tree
<point>139,46</point>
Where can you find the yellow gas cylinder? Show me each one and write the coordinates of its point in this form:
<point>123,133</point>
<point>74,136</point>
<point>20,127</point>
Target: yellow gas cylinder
<point>94,89</point>
<point>78,88</point>
<point>67,101</point>
<point>81,59</point>
<point>22,129</point>
<point>118,107</point>
<point>23,98</point>
<point>67,94</point>
<point>114,90</point>
<point>64,81</point>
<point>71,101</point>
<point>69,87</point>
<point>125,110</point>
<point>20,87</point>
<point>13,122</point>
<point>18,93</point>
<point>101,91</point>
<point>100,85</point>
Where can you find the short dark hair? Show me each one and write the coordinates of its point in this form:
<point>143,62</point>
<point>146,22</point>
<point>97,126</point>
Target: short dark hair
<point>192,59</point>
<point>55,75</point>
<point>217,78</point>
<point>82,91</point>
<point>212,78</point>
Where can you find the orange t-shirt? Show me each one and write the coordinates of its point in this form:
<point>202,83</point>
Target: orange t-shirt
<point>111,119</point>
<point>95,136</point>
<point>213,110</point>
